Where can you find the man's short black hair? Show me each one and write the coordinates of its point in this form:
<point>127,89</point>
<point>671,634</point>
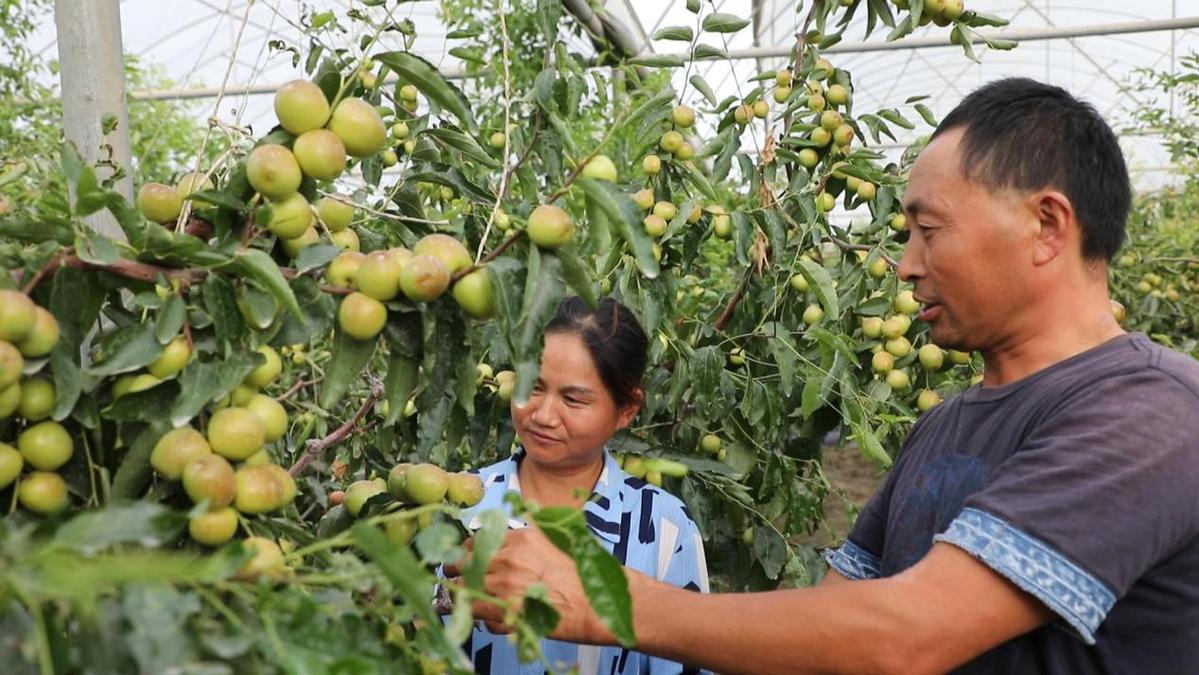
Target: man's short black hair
<point>1026,135</point>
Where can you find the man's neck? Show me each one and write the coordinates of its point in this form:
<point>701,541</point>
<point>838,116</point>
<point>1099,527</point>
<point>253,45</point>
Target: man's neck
<point>1061,329</point>
<point>559,486</point>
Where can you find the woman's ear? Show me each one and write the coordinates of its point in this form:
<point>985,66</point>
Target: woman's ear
<point>624,417</point>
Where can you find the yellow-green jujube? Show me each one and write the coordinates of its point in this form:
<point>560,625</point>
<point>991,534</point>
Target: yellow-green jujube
<point>41,340</point>
<point>272,413</point>
<point>301,106</point>
<point>291,216</point>
<point>320,154</point>
<point>11,463</point>
<point>259,490</point>
<point>46,445</point>
<point>38,397</point>
<point>43,492</point>
<point>176,449</point>
<point>474,295</point>
<point>236,433</point>
<point>273,171</point>
<point>210,477</point>
<point>335,214</point>
<point>17,316</point>
<point>173,358</point>
<point>359,127</point>
<point>361,316</point>
<point>213,528</point>
<point>268,372</point>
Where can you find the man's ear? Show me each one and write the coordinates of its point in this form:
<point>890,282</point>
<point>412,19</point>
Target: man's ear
<point>1058,227</point>
<point>629,411</point>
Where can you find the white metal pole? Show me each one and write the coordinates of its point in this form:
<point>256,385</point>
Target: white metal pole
<point>92,72</point>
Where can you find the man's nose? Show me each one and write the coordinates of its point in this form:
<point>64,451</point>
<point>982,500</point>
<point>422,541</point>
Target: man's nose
<point>911,264</point>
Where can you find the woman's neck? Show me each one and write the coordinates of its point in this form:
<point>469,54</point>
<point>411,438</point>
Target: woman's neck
<point>559,486</point>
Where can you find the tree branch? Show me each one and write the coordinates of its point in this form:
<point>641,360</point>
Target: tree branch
<point>316,446</point>
<point>132,269</point>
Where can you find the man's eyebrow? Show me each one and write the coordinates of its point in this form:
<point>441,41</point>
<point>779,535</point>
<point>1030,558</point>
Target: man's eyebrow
<point>914,205</point>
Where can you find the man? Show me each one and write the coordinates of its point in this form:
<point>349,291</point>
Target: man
<point>1045,522</point>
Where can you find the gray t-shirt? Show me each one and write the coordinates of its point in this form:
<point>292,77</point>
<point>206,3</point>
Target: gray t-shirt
<point>1080,484</point>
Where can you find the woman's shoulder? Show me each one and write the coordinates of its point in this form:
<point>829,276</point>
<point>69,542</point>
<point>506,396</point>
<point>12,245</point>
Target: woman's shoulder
<point>499,472</point>
<point>641,496</point>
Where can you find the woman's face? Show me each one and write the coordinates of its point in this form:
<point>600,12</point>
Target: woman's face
<point>569,415</point>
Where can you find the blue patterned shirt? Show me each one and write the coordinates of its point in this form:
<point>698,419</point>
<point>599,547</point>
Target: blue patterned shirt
<point>645,527</point>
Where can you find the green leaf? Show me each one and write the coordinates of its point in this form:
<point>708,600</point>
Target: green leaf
<point>927,114</point>
<point>623,213</point>
<point>575,273</point>
<point>706,51</point>
<point>549,12</point>
<point>319,309</point>
<point>651,111</point>
<point>544,291</point>
<point>895,118</point>
<point>869,444</point>
<point>258,265</point>
<point>603,578</point>
<point>170,319</point>
<point>693,6</point>
<point>313,257</point>
<point>411,582</point>
<point>350,358</point>
<point>658,61</point>
<point>220,300</point>
<point>821,284</point>
<point>404,342</point>
<point>770,550</point>
<point>134,472</point>
<point>701,85</point>
<point>126,349</point>
<point>679,33</point>
<point>96,249</point>
<point>700,182</point>
<point>462,143</point>
<point>724,23</point>
<point>146,524</point>
<point>487,541</point>
<point>202,382</point>
<point>431,83</point>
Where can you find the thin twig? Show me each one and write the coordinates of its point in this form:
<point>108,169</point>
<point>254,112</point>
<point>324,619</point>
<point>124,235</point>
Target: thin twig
<point>316,446</point>
<point>727,314</point>
<point>489,257</point>
<point>299,384</point>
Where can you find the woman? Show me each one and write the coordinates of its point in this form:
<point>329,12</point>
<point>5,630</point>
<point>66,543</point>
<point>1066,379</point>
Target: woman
<point>588,389</point>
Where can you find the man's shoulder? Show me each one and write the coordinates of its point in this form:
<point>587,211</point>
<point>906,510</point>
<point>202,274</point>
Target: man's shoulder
<point>1173,364</point>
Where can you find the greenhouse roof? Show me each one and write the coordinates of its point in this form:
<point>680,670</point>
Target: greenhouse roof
<point>1092,48</point>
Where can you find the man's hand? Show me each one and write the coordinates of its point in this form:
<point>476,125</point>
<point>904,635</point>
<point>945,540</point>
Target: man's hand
<point>527,558</point>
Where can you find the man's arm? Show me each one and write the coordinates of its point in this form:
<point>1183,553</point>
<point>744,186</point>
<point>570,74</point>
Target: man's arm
<point>941,613</point>
<point>832,577</point>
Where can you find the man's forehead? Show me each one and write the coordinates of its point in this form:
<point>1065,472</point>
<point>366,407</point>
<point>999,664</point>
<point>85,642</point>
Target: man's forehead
<point>938,164</point>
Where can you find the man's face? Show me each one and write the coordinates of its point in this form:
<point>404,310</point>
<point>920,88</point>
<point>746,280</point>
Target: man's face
<point>969,251</point>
